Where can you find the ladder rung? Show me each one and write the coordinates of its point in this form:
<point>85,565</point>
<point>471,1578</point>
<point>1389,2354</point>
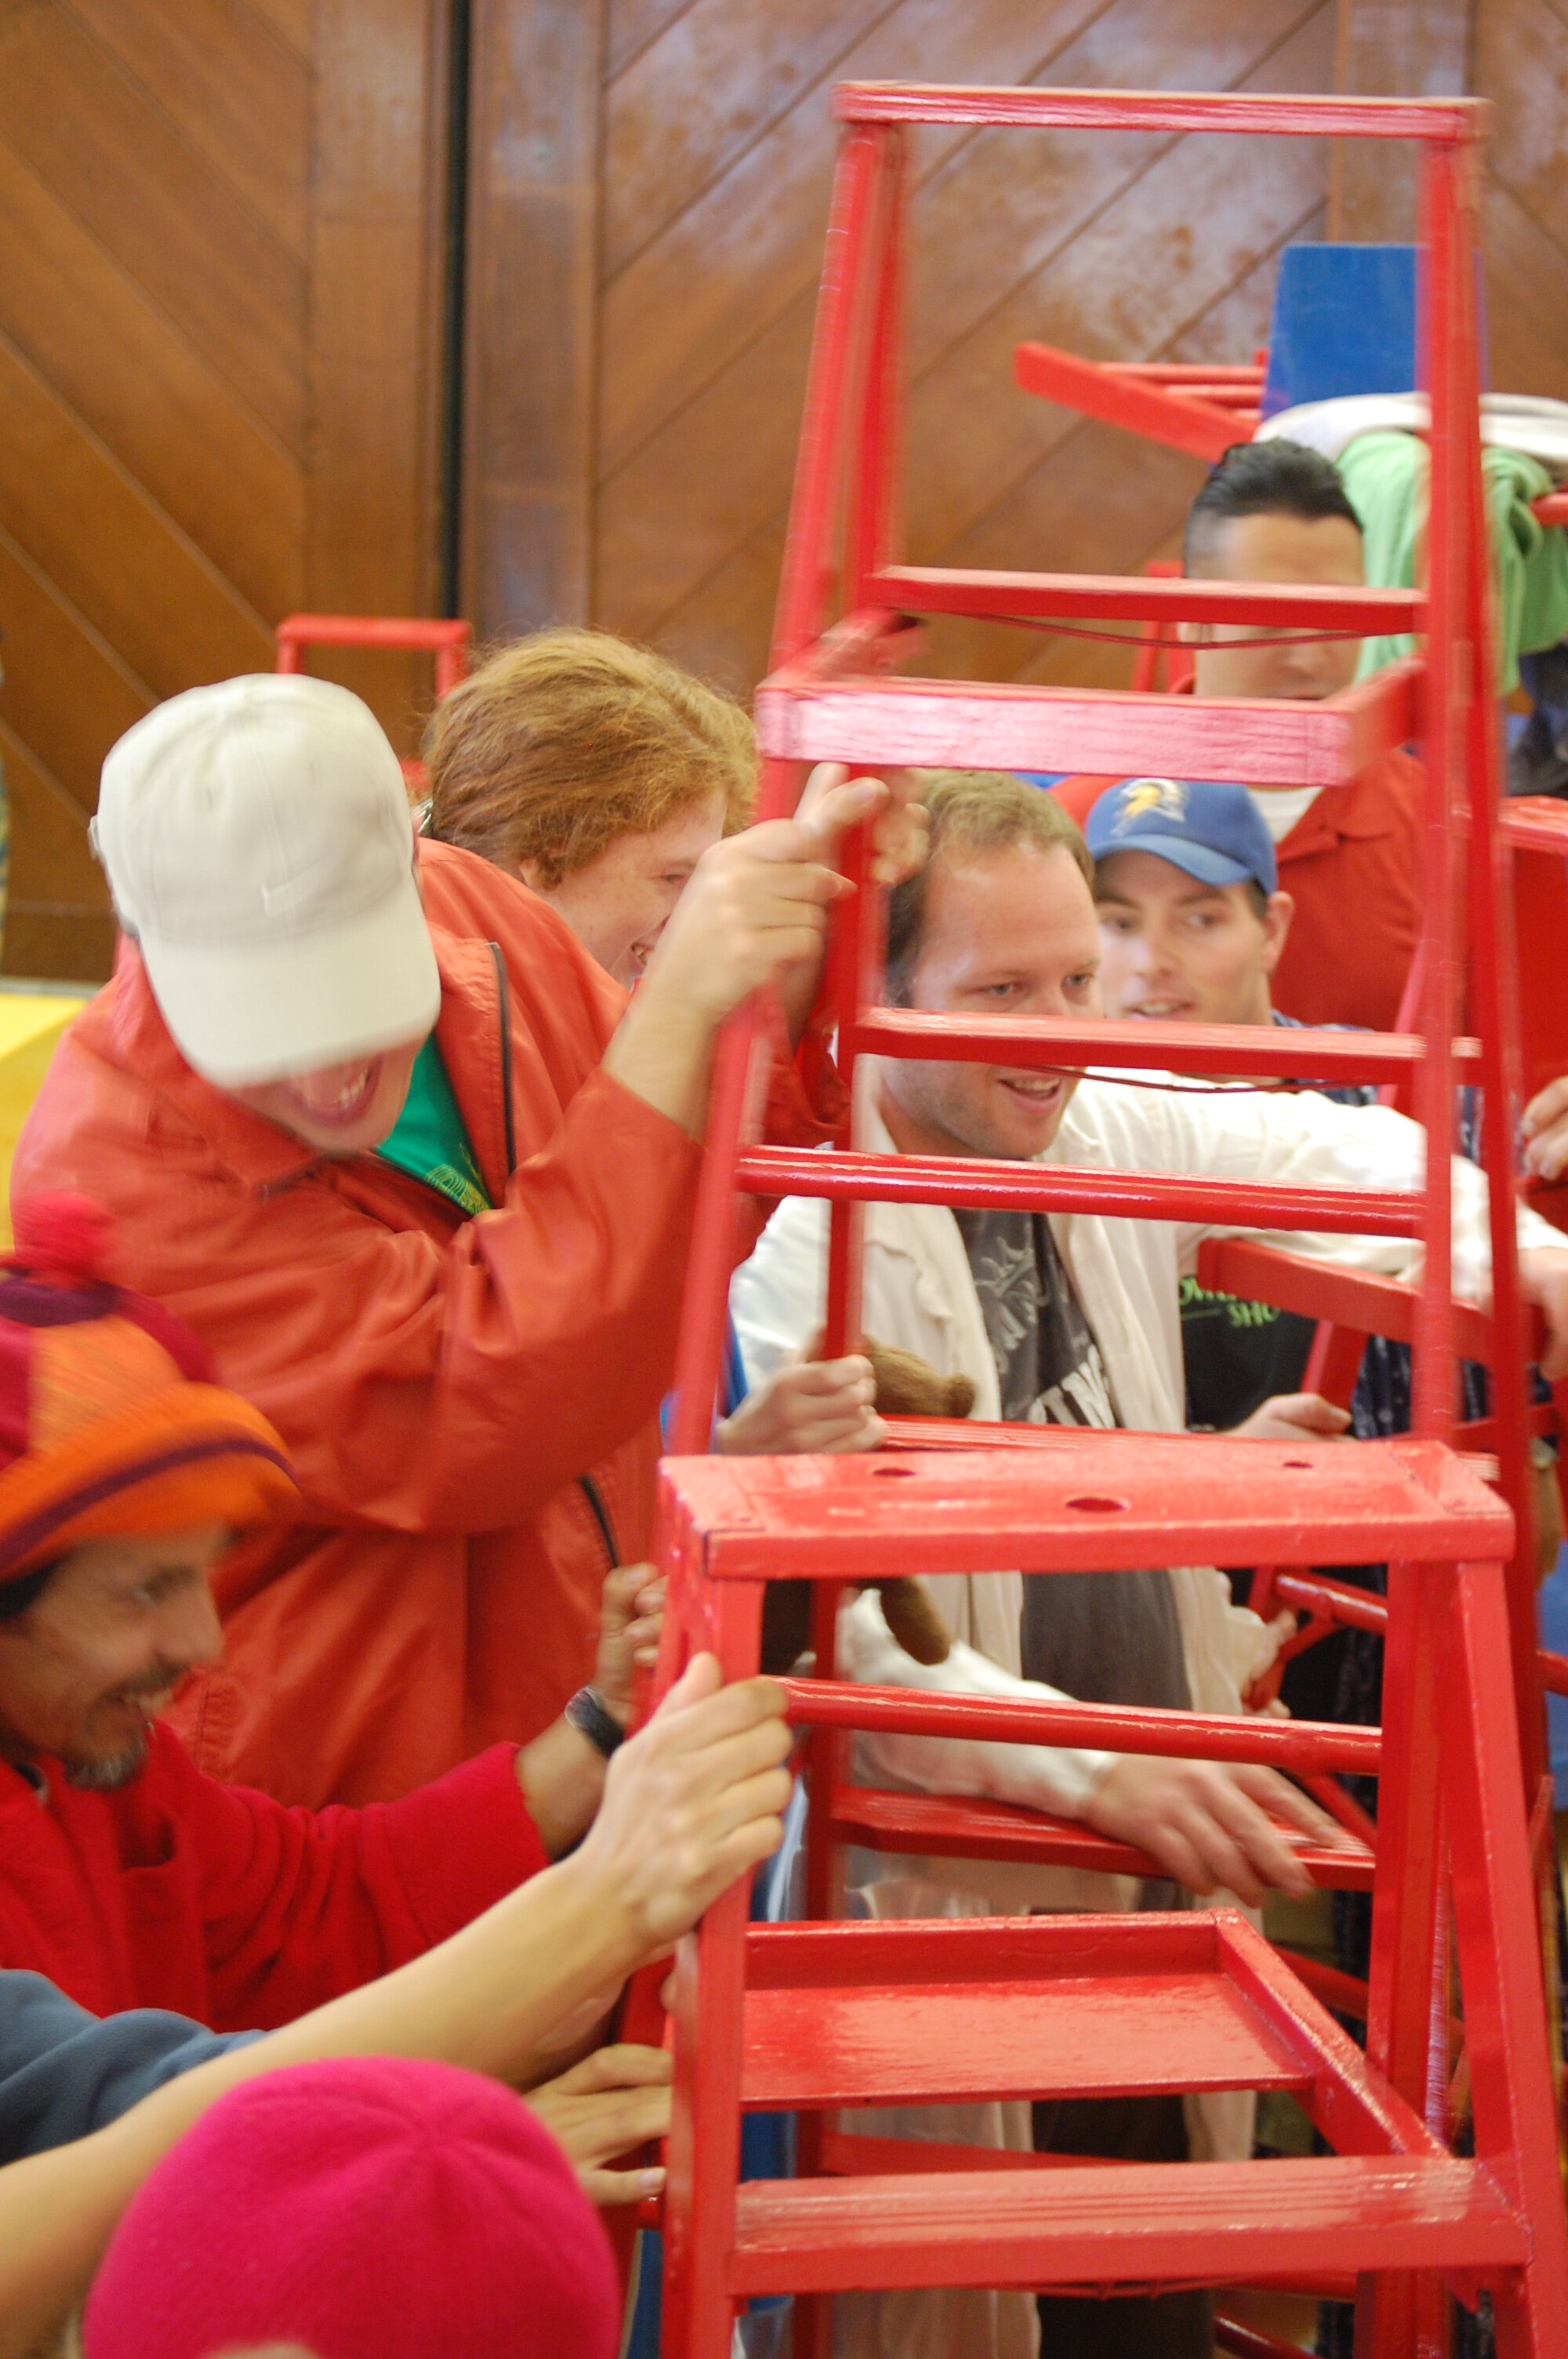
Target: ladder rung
<point>1349,1298</point>
<point>1143,598</point>
<point>1046,1043</point>
<point>1306,1744</point>
<point>1062,1188</point>
<point>950,725</point>
<point>1535,822</point>
<point>1161,2223</point>
<point>930,1826</point>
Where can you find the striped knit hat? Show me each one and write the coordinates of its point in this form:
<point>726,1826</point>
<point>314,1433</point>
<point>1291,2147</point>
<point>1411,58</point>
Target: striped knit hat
<point>110,1422</point>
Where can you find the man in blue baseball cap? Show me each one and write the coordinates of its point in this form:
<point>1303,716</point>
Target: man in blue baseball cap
<point>1192,918</point>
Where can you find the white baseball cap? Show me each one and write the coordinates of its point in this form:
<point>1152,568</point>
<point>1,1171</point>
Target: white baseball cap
<point>258,843</point>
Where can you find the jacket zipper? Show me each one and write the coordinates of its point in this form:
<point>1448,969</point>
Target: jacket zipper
<point>504,1006</point>
<point>591,1492</point>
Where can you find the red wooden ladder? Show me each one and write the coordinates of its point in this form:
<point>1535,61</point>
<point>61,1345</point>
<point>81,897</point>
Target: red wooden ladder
<point>825,2015</point>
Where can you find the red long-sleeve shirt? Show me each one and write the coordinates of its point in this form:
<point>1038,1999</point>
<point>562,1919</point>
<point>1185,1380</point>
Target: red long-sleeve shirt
<point>218,1903</point>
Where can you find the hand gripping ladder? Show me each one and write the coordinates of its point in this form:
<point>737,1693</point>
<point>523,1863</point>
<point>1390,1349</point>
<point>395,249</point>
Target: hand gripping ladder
<point>824,2016</point>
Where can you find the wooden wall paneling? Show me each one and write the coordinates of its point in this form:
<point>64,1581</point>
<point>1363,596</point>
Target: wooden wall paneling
<point>670,520</point>
<point>373,394</point>
<point>531,362</point>
<point>155,402</point>
<point>722,630</point>
<point>1521,65</point>
<point>1527,300</point>
<point>294,22</point>
<point>996,213</point>
<point>726,269</point>
<point>65,687</point>
<point>172,224</point>
<point>1399,48</point>
<point>141,584</point>
<point>717,463</point>
<point>631,25</point>
<point>1135,278</point>
<point>721,75</point>
<point>233,88</point>
<point>58,921</point>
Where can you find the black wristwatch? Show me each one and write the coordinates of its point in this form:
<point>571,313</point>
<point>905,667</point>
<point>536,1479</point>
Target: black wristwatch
<point>589,1711</point>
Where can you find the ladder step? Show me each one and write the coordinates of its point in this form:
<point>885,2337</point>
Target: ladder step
<point>930,1826</point>
<point>1059,1188</point>
<point>1130,2035</point>
<point>1147,2223</point>
<point>1048,1044</point>
<point>1145,598</point>
<point>1090,1503</point>
<point>948,725</point>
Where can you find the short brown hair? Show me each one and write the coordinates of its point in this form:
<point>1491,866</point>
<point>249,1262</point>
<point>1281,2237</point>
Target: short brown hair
<point>973,811</point>
<point>563,741</point>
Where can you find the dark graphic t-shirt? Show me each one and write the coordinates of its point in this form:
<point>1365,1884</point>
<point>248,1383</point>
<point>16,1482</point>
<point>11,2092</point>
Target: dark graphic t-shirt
<point>1106,1637</point>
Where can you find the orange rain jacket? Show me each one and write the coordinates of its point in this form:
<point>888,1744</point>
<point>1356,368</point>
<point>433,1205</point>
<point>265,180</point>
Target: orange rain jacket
<point>470,1405</point>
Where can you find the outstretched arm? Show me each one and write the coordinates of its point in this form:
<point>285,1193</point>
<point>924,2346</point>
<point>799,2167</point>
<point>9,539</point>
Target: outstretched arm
<point>690,1803</point>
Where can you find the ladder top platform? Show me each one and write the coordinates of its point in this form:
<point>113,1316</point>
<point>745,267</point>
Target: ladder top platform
<point>1445,121</point>
<point>1084,1502</point>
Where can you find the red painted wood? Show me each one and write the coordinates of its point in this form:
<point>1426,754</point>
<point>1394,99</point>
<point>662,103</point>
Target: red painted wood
<point>1146,2224</point>
<point>854,2152</point>
<point>1446,121</point>
<point>1121,1728</point>
<point>1230,1049</point>
<point>943,724</point>
<point>936,2044</point>
<point>1390,2206</point>
<point>1160,413</point>
<point>1141,597</point>
<point>1372,1305</point>
<point>1044,1187</point>
<point>449,642</point>
<point>926,1826</point>
<point>1081,1503</point>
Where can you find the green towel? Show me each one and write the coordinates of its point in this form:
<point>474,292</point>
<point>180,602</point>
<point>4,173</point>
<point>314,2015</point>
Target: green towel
<point>1385,477</point>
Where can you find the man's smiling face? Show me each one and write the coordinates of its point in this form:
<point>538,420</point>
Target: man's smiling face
<point>1008,933</point>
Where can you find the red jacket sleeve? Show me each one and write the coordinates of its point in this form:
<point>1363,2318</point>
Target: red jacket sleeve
<point>300,1905</point>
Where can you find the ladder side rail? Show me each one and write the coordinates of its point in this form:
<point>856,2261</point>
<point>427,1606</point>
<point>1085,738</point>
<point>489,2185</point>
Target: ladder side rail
<point>1500,1962</point>
<point>805,585</point>
<point>1406,1939</point>
<point>1449,685</point>
<point>1493,971</point>
<point>873,530</point>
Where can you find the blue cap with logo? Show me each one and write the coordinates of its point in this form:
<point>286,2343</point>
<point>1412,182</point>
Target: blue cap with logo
<point>1214,833</point>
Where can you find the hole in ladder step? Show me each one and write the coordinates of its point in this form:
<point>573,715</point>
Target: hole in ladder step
<point>1301,1465</point>
<point>1091,1505</point>
<point>907,1472</point>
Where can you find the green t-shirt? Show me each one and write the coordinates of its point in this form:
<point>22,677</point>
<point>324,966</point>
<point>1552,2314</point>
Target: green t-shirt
<point>429,1139</point>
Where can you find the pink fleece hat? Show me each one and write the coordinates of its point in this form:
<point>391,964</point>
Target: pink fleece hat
<point>366,2209</point>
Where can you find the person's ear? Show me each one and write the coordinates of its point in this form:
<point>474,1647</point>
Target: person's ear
<point>1277,919</point>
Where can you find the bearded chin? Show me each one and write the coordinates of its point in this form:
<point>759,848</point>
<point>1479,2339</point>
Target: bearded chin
<point>106,1772</point>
